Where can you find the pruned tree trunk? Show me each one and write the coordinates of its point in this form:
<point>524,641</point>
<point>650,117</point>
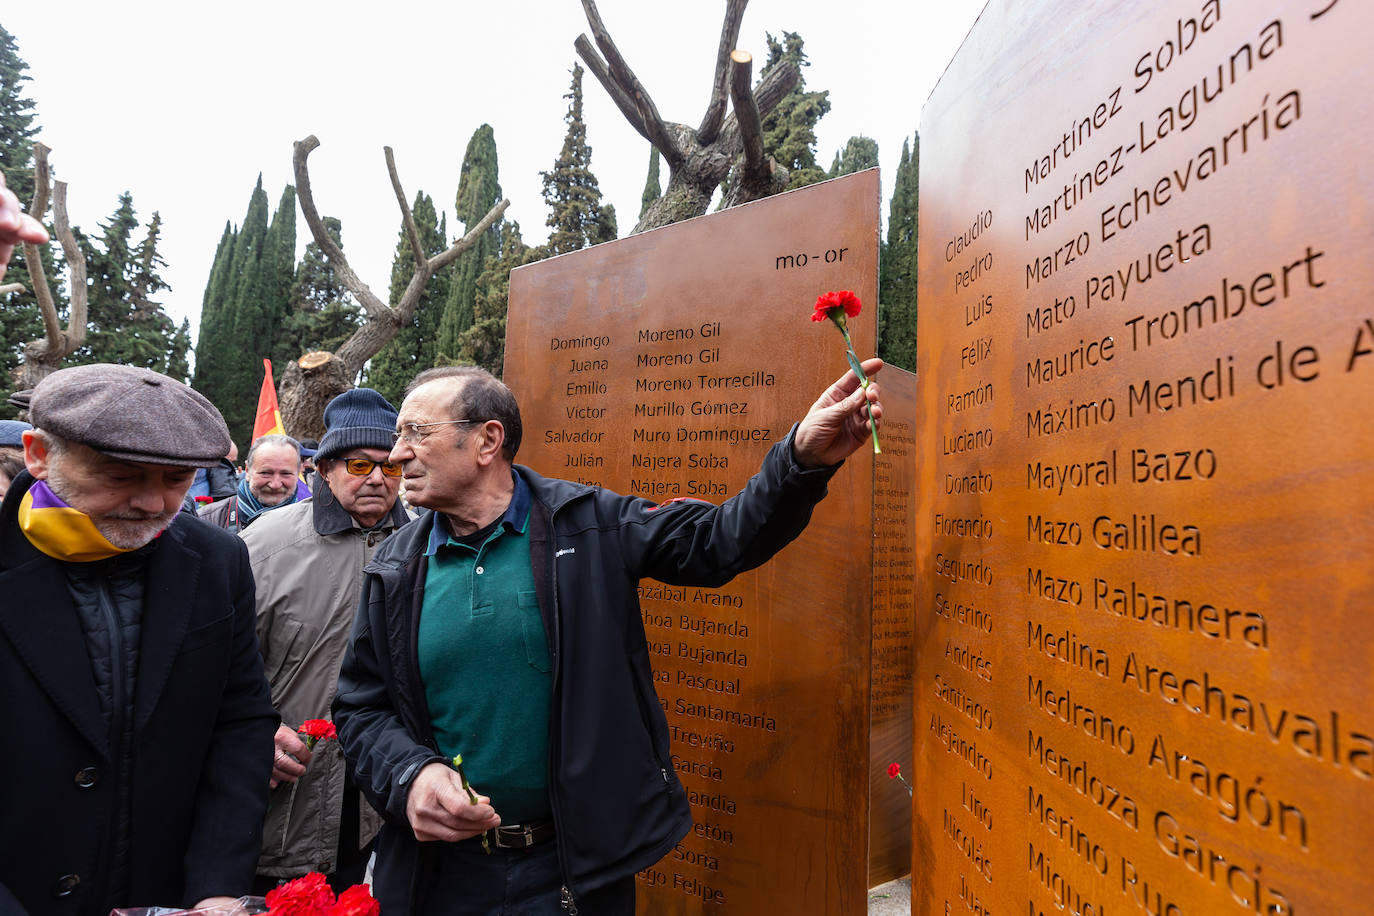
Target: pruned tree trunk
<point>698,160</point>
<point>311,382</point>
<point>306,388</point>
<point>44,356</point>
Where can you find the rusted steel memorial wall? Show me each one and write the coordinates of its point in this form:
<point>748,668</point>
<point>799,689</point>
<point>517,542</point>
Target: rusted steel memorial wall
<point>1144,636</point>
<point>665,365</point>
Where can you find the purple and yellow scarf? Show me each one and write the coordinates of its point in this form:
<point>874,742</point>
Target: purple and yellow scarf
<point>60,531</point>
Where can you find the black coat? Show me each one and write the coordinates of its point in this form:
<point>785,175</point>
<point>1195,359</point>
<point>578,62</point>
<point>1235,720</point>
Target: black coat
<point>617,803</point>
<point>203,726</point>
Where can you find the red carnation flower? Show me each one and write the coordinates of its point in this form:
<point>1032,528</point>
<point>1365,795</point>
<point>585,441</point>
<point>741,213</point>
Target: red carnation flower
<point>836,299</point>
<point>307,896</point>
<point>356,901</point>
<point>313,731</point>
<point>894,770</point>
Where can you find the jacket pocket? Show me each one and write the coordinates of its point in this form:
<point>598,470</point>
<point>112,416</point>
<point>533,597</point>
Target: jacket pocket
<point>284,650</point>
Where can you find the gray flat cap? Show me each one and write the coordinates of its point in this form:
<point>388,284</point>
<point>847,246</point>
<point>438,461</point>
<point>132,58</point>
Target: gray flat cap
<point>131,413</point>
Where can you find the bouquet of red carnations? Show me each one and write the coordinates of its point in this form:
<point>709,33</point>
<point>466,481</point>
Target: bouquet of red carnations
<point>307,896</point>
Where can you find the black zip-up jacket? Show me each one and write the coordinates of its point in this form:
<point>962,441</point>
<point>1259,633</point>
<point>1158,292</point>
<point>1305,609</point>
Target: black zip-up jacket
<point>617,804</point>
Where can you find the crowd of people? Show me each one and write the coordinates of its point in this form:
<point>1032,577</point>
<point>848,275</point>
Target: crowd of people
<point>470,627</point>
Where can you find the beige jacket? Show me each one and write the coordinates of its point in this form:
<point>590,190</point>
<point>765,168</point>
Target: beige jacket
<point>307,560</point>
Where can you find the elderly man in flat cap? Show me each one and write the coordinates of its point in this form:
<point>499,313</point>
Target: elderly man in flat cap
<point>308,562</point>
<point>133,692</point>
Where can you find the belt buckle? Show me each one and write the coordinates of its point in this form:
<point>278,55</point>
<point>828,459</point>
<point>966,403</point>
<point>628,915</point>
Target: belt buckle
<point>516,836</point>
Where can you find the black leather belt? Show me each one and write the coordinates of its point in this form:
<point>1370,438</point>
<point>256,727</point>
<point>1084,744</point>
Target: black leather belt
<point>518,836</point>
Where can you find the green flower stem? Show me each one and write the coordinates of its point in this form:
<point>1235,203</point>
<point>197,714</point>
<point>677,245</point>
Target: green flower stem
<point>858,370</point>
<point>472,797</point>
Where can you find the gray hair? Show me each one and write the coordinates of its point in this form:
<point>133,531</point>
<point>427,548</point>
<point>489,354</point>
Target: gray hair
<point>481,396</point>
<point>273,439</point>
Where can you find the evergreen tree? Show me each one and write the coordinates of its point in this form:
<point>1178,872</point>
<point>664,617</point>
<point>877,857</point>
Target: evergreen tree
<point>577,218</point>
<point>897,268</point>
<point>125,324</point>
<point>859,153</point>
<point>478,191</point>
<point>484,344</point>
<point>789,130</point>
<point>209,366</point>
<point>652,190</point>
<point>323,313</point>
<point>178,367</point>
<point>415,346</point>
<point>253,301</point>
<point>20,320</point>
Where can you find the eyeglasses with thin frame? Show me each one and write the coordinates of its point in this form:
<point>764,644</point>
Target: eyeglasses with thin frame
<point>414,433</point>
<point>362,467</point>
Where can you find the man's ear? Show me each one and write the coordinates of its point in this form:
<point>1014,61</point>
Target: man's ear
<point>37,455</point>
<point>491,436</point>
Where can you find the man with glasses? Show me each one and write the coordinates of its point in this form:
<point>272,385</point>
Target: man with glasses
<point>503,625</point>
<point>307,559</point>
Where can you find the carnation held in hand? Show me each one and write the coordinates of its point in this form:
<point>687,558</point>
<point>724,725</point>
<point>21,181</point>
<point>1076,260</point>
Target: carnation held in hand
<point>313,731</point>
<point>839,306</point>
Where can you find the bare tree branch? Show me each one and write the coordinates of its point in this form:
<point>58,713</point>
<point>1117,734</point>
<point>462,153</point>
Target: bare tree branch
<point>38,209</point>
<point>12,288</point>
<point>383,320</point>
<point>771,90</point>
<point>746,111</point>
<point>406,218</point>
<point>446,258</point>
<point>76,267</point>
<point>43,356</point>
<point>729,38</point>
<point>597,66</point>
<point>654,129</point>
<point>301,151</point>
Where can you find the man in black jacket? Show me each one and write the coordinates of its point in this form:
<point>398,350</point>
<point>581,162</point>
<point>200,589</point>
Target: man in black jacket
<point>129,666</point>
<point>504,626</point>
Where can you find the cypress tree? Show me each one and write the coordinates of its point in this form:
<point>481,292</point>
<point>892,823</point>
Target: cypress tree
<point>484,344</point>
<point>652,191</point>
<point>897,267</point>
<point>323,313</point>
<point>276,278</point>
<point>859,153</point>
<point>478,191</point>
<point>577,218</point>
<point>415,346</point>
<point>789,130</point>
<point>212,305</point>
<point>20,320</point>
<point>243,326</point>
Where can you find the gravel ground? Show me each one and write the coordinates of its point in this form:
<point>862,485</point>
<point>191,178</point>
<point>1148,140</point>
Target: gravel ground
<point>891,899</point>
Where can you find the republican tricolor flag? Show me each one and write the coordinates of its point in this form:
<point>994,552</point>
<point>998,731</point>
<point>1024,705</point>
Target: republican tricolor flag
<point>268,420</point>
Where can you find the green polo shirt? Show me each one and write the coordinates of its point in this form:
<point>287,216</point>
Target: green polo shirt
<point>484,661</point>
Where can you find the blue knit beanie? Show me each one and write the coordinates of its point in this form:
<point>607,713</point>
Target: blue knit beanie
<point>358,418</point>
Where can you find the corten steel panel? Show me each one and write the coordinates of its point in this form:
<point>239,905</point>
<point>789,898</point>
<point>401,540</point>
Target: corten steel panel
<point>617,355</point>
<point>1143,655</point>
<point>894,616</point>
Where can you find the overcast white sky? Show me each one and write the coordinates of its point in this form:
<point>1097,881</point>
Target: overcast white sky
<point>183,104</point>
